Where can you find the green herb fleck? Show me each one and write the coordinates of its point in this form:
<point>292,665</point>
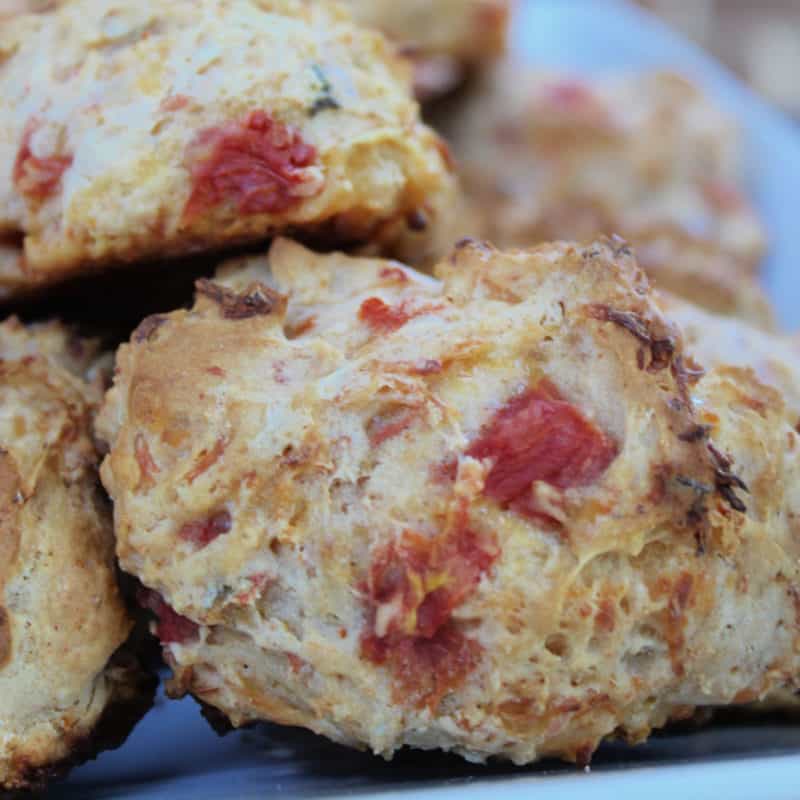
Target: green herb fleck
<point>325,99</point>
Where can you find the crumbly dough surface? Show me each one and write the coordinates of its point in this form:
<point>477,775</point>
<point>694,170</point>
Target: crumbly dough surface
<point>61,614</point>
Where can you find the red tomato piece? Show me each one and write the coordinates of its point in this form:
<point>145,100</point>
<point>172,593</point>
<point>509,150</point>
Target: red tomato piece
<point>259,164</point>
<point>202,532</point>
<point>171,626</point>
<point>538,436</point>
<point>382,317</point>
<point>37,177</point>
<point>421,580</point>
<point>425,670</point>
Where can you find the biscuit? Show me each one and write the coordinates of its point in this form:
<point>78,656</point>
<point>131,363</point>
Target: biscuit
<point>156,129</point>
<point>647,156</point>
<point>65,686</point>
<point>480,513</point>
<point>444,39</point>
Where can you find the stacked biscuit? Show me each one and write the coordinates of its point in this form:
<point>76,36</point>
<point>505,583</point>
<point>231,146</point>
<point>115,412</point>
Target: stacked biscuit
<point>508,508</point>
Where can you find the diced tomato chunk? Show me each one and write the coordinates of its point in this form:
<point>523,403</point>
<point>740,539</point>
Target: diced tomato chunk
<point>426,669</point>
<point>202,532</point>
<point>259,164</point>
<point>538,436</point>
<point>382,317</point>
<point>414,585</point>
<point>171,626</point>
<point>35,177</point>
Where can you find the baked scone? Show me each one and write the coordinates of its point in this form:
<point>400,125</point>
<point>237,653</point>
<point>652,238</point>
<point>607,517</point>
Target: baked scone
<point>647,156</point>
<point>65,688</point>
<point>482,514</point>
<point>444,39</point>
<point>153,129</point>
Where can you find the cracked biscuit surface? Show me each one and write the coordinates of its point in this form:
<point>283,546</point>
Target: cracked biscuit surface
<point>499,512</point>
<point>62,619</point>
<point>155,129</point>
<point>647,156</point>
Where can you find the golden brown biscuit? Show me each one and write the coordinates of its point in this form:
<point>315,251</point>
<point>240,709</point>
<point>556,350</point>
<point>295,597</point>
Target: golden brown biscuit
<point>443,39</point>
<point>647,156</point>
<point>154,129</point>
<point>61,616</point>
<point>484,514</point>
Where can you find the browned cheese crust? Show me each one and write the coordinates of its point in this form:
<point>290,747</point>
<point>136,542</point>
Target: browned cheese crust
<point>647,156</point>
<point>61,615</point>
<point>499,513</point>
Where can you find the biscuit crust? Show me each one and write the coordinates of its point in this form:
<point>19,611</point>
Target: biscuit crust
<point>62,620</point>
<point>716,342</point>
<point>647,156</point>
<point>481,513</point>
<point>155,129</point>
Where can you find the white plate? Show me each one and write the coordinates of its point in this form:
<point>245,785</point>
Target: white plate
<point>173,754</point>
